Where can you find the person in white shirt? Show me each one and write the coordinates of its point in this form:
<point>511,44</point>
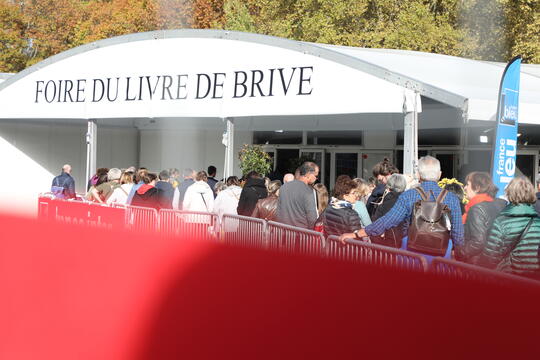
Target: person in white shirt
<point>199,196</point>
<point>227,200</point>
<point>120,194</point>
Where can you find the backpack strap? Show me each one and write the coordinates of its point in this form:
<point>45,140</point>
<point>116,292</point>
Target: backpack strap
<point>202,196</point>
<point>441,196</point>
<point>519,238</point>
<point>422,193</point>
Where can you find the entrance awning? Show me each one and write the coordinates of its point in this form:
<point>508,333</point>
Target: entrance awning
<point>189,73</point>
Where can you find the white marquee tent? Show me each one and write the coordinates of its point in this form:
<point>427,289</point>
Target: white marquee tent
<point>255,80</point>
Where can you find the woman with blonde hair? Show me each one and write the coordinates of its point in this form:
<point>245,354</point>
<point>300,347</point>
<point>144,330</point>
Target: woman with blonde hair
<point>321,194</point>
<point>362,191</point>
<point>514,240</point>
<point>266,208</point>
<point>120,194</point>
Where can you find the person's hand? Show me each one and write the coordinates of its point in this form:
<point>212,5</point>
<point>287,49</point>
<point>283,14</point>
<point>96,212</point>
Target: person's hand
<point>361,233</point>
<point>346,236</point>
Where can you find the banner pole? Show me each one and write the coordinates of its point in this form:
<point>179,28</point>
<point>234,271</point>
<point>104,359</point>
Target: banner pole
<point>503,161</point>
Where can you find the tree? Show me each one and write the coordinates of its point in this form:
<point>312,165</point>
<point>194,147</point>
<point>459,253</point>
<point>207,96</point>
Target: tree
<point>236,16</point>
<point>13,45</point>
<point>33,30</point>
<point>485,26</point>
<point>52,25</point>
<point>253,158</point>
<point>208,14</point>
<point>174,14</point>
<point>523,19</point>
<point>106,19</point>
<point>413,25</point>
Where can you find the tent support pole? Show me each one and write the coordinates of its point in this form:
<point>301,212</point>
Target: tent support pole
<point>91,149</point>
<point>410,141</point>
<point>229,153</point>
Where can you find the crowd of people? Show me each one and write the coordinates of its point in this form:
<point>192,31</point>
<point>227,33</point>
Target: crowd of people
<point>421,214</point>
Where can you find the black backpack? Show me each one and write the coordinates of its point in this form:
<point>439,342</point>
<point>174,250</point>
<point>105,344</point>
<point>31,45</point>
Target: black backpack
<point>428,232</point>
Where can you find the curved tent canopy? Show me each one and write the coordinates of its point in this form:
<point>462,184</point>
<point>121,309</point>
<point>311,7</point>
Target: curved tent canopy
<point>470,85</point>
<point>4,77</point>
<point>195,73</point>
<point>199,73</point>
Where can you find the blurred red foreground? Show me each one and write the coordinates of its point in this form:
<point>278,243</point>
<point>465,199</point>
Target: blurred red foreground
<point>72,292</point>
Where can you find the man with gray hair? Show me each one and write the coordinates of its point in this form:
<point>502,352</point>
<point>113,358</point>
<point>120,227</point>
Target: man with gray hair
<point>296,202</point>
<point>189,179</point>
<point>429,171</point>
<point>288,178</point>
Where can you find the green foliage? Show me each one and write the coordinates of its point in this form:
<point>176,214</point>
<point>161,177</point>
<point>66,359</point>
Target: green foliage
<point>12,42</point>
<point>486,29</point>
<point>493,30</point>
<point>253,158</point>
<point>414,26</point>
<point>237,17</point>
<point>481,29</point>
<point>523,23</point>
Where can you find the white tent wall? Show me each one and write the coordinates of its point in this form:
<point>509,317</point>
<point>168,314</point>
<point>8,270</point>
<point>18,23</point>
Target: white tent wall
<point>380,140</point>
<point>34,152</point>
<point>188,148</point>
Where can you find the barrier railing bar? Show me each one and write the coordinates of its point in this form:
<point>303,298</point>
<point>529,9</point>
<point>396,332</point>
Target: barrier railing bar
<point>460,270</point>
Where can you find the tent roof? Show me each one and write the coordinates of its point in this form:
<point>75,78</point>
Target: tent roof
<point>468,85</point>
<point>5,76</point>
<point>471,85</point>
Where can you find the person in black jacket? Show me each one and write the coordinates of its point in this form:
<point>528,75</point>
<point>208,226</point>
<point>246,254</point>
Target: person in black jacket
<point>166,192</point>
<point>381,171</point>
<point>63,185</point>
<point>147,195</point>
<point>339,217</point>
<point>481,211</point>
<point>254,190</point>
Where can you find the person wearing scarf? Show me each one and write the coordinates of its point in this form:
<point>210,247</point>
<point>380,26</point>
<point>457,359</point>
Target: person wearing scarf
<point>480,212</point>
<point>339,216</point>
<point>147,195</point>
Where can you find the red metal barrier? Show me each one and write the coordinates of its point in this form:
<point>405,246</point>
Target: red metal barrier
<point>459,270</point>
<point>44,207</point>
<point>244,231</point>
<point>106,217</point>
<point>363,252</point>
<point>81,213</point>
<point>294,240</point>
<point>199,225</point>
<point>141,219</point>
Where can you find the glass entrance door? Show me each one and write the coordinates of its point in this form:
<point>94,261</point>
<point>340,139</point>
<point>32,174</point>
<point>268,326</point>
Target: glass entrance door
<point>347,164</point>
<point>356,163</point>
<point>526,164</point>
<point>370,159</point>
<point>448,163</point>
